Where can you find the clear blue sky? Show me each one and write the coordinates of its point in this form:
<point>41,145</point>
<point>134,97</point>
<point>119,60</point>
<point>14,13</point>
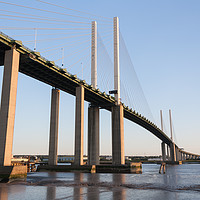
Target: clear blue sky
<point>163,40</point>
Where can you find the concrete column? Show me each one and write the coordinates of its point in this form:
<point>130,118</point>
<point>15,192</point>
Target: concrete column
<point>163,151</point>
<point>181,156</point>
<point>168,154</point>
<point>177,154</point>
<point>172,152</point>
<point>118,135</point>
<point>54,123</point>
<point>93,135</point>
<point>79,126</point>
<point>8,104</point>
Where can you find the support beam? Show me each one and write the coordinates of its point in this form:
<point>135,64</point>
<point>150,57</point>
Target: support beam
<point>181,156</point>
<point>118,135</point>
<point>54,123</point>
<point>172,152</point>
<point>177,154</point>
<point>168,154</point>
<point>8,104</point>
<point>79,126</point>
<point>93,135</point>
<point>163,151</point>
<point>116,60</point>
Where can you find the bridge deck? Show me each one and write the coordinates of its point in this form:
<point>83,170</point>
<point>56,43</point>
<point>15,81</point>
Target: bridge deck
<point>35,66</point>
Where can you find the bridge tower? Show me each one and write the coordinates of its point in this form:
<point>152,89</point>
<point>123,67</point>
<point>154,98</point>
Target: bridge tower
<point>163,148</point>
<point>117,110</point>
<point>93,110</point>
<point>172,144</point>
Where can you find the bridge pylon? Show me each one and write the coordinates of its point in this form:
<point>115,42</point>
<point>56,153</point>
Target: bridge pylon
<point>93,110</point>
<point>116,59</point>
<point>117,110</point>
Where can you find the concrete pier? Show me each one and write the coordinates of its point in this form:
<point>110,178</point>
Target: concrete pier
<point>163,151</point>
<point>172,152</point>
<point>168,154</point>
<point>93,135</point>
<point>118,135</point>
<point>54,123</point>
<point>8,104</point>
<point>181,155</point>
<point>177,154</point>
<point>79,126</point>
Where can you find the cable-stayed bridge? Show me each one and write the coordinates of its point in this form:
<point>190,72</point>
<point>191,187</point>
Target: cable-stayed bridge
<point>14,56</point>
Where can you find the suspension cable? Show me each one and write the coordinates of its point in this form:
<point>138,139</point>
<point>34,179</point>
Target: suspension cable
<point>75,10</point>
<point>42,17</point>
<point>49,11</point>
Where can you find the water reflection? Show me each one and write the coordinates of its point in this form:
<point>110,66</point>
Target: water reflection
<point>119,192</point>
<point>9,192</point>
<point>51,193</point>
<point>93,192</point>
<point>51,190</point>
<point>170,181</point>
<point>94,185</point>
<point>78,189</point>
<point>179,182</point>
<point>3,193</point>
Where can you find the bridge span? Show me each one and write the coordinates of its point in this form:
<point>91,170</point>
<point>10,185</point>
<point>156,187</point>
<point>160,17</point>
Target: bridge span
<point>14,56</point>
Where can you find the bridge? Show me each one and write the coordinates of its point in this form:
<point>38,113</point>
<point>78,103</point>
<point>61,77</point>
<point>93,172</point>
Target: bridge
<point>16,57</point>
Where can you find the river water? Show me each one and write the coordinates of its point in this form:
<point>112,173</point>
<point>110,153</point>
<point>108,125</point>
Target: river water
<point>179,182</point>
